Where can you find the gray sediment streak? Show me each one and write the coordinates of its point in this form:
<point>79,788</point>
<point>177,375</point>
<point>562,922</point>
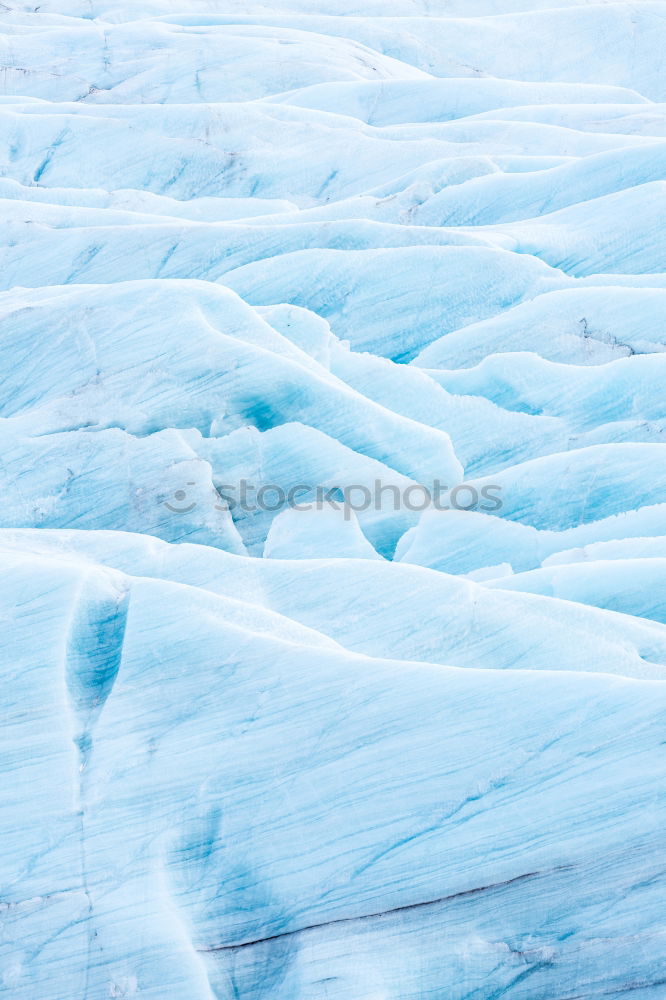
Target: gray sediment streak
<point>407,908</point>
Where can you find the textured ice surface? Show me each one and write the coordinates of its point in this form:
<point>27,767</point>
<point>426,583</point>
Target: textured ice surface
<point>362,752</point>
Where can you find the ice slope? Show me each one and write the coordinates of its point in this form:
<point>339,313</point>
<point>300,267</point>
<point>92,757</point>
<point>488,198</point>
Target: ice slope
<point>408,101</point>
<point>632,586</point>
<point>425,615</point>
<point>116,893</point>
<point>458,541</point>
<point>349,752</point>
<point>586,325</point>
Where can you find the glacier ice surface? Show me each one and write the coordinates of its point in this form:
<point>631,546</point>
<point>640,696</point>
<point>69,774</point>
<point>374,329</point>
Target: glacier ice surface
<point>345,752</point>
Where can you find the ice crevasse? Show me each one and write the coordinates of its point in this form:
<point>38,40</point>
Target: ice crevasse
<point>311,748</point>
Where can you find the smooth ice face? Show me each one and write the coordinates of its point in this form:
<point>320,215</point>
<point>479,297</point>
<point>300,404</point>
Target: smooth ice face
<point>263,741</point>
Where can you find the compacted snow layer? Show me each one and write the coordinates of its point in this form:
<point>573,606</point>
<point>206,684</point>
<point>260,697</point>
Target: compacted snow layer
<point>311,748</point>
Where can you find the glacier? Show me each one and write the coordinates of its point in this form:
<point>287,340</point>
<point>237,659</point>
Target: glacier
<point>396,730</point>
